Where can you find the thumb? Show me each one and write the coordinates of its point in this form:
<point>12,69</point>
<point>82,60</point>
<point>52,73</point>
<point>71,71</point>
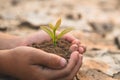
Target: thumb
<point>48,60</point>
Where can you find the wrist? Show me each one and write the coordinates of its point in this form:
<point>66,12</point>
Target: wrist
<point>9,41</point>
<point>17,41</point>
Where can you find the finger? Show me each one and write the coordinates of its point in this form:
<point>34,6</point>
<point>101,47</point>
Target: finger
<point>76,41</point>
<point>74,47</point>
<point>69,37</point>
<point>67,70</point>
<point>75,70</point>
<point>47,59</point>
<point>82,49</point>
<point>77,67</point>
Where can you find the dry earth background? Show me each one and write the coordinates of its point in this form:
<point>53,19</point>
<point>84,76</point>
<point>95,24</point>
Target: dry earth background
<point>96,22</point>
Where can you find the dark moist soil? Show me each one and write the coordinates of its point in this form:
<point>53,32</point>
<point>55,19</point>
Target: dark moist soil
<point>61,49</point>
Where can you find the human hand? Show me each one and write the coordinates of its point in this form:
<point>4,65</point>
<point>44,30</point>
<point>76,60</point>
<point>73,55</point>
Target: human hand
<point>29,63</point>
<point>42,36</point>
<point>10,41</point>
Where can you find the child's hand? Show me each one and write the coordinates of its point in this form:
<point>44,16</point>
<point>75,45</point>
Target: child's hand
<point>42,36</point>
<point>28,63</point>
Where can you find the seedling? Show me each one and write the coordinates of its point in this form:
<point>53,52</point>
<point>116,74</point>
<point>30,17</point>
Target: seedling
<point>51,30</point>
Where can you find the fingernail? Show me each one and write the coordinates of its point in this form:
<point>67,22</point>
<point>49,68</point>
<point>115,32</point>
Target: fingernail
<point>63,62</point>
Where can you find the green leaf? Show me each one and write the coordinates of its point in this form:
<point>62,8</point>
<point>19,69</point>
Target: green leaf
<point>64,32</point>
<point>51,30</point>
<point>58,23</point>
<point>51,26</point>
<point>46,29</point>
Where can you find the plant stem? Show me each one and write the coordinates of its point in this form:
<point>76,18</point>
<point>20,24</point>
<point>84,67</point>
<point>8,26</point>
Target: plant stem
<point>55,43</point>
<point>54,40</point>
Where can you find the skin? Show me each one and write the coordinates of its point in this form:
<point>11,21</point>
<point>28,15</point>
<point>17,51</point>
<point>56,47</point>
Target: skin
<point>26,63</point>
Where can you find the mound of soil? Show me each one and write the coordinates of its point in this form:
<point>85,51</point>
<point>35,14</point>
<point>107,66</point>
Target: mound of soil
<point>61,49</point>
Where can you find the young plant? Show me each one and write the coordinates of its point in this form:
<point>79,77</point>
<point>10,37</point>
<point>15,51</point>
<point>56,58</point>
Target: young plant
<point>51,30</point>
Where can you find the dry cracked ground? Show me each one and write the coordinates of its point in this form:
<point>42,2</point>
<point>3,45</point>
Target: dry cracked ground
<point>96,23</point>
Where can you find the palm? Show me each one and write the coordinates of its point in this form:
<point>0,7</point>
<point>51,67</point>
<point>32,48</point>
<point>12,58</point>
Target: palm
<point>38,37</point>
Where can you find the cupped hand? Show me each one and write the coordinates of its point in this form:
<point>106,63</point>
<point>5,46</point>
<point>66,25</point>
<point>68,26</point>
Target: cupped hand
<point>28,63</point>
<point>42,36</point>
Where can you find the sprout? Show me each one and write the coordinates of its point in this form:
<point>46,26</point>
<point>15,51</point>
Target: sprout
<point>51,30</point>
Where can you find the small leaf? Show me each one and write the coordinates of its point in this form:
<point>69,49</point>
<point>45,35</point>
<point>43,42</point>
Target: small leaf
<point>64,32</point>
<point>46,29</point>
<point>51,26</point>
<point>58,23</point>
